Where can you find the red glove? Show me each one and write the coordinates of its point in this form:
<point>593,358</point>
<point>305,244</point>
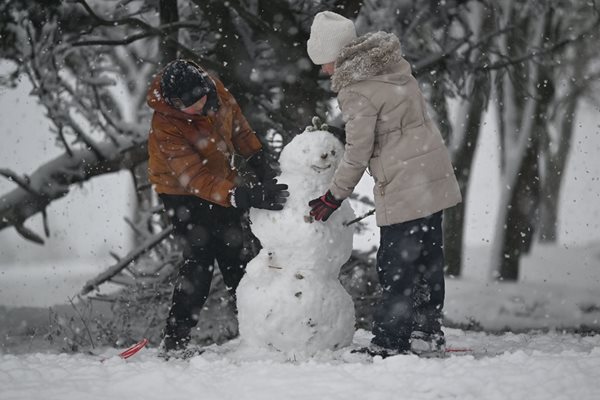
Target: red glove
<point>322,207</point>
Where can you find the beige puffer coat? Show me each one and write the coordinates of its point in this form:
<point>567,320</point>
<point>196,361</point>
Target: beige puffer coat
<point>388,131</point>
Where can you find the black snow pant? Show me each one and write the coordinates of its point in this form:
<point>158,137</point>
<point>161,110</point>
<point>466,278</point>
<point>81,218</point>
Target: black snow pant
<point>207,232</point>
<point>410,265</point>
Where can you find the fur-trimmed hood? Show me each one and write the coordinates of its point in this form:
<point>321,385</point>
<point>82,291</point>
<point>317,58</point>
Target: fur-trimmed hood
<point>374,54</point>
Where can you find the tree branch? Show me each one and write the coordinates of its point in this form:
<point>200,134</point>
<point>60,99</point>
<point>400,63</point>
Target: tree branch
<point>122,264</point>
<point>52,180</point>
<point>109,42</point>
<point>105,22</point>
<point>439,58</point>
<point>22,182</point>
<point>29,234</point>
<point>539,52</point>
<point>149,31</point>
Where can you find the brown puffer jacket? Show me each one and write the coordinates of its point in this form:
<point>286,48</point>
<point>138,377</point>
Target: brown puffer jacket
<point>191,154</point>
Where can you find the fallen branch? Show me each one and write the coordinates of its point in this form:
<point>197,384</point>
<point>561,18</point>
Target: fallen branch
<point>132,256</point>
<point>54,179</point>
<point>85,325</point>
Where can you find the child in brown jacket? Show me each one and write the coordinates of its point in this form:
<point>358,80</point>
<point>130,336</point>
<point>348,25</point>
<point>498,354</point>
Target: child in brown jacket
<point>197,131</point>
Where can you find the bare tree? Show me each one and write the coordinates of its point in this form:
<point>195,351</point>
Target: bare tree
<point>526,93</point>
<point>573,78</point>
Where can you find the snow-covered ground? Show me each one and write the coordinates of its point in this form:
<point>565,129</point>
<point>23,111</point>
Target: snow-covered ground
<point>559,288</point>
<point>537,364</point>
<point>509,366</point>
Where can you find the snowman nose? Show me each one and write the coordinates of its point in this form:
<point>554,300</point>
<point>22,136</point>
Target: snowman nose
<point>324,156</point>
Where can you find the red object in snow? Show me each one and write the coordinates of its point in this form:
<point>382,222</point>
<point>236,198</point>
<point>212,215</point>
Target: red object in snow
<point>133,349</point>
<point>458,350</point>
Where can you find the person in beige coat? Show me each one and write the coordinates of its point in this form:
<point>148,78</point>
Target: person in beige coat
<point>389,133</point>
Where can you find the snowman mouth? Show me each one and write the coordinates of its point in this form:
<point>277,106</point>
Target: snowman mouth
<point>320,169</point>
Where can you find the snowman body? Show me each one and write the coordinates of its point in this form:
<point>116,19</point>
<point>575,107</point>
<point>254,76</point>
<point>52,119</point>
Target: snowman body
<point>290,298</point>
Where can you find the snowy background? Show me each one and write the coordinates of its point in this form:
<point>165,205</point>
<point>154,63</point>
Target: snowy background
<point>88,224</point>
<point>559,289</point>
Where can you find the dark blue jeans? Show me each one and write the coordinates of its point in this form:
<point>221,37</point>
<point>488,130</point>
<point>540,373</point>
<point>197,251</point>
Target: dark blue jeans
<point>410,265</point>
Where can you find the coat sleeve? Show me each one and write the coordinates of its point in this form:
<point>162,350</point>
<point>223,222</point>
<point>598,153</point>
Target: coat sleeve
<point>361,117</point>
<point>189,167</point>
<point>243,137</point>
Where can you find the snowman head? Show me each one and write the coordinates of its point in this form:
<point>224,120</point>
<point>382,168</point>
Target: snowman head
<point>312,152</point>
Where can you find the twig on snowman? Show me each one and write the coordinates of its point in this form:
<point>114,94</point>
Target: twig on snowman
<point>317,125</point>
<point>355,220</point>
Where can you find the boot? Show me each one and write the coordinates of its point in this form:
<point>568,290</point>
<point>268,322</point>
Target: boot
<point>428,344</point>
<point>383,352</point>
<point>171,347</point>
<point>172,343</point>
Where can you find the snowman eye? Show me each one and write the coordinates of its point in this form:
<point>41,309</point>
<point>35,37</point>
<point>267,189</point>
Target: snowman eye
<point>333,152</point>
<point>324,156</point>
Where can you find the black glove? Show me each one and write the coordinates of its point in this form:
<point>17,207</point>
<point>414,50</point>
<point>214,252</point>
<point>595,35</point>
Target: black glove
<point>322,207</point>
<point>261,165</point>
<point>268,195</point>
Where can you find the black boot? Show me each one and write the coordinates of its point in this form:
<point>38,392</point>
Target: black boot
<point>171,343</point>
<point>179,348</point>
<point>428,344</point>
<point>383,352</point>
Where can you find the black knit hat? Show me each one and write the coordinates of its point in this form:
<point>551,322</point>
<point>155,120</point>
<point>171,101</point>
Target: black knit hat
<point>183,83</point>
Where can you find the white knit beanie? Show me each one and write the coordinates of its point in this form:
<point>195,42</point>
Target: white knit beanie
<point>328,34</point>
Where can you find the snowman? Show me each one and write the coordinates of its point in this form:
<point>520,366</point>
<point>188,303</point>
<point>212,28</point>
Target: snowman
<point>291,299</point>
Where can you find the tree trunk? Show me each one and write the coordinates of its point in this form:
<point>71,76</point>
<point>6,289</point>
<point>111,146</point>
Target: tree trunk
<point>521,216</point>
<point>554,168</point>
<point>144,193</point>
<point>168,13</point>
<point>462,142</point>
<point>453,238</point>
<point>453,217</point>
<point>549,210</point>
<point>454,225</point>
<point>519,183</point>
